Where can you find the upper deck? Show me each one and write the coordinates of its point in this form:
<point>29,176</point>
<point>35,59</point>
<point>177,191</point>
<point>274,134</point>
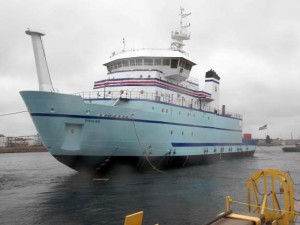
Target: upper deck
<point>175,65</point>
<point>112,98</point>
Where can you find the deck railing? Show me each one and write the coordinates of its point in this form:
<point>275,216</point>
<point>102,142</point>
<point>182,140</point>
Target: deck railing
<point>166,98</point>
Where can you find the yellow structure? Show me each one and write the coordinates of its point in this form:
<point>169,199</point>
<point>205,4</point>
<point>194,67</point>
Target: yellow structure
<point>134,219</point>
<point>271,192</point>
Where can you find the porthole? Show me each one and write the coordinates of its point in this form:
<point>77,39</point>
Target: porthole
<point>149,76</point>
<point>152,107</point>
<point>162,110</point>
<point>182,133</point>
<point>141,76</point>
<point>171,132</point>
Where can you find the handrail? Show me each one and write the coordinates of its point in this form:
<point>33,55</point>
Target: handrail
<point>141,49</point>
<point>166,98</point>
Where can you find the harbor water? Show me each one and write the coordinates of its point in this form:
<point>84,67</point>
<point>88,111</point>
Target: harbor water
<point>36,189</point>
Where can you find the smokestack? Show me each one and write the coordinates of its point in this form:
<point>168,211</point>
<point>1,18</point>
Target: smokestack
<point>45,83</point>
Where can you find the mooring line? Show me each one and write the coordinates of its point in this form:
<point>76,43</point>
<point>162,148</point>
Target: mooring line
<point>13,113</point>
<point>146,157</point>
<point>258,206</point>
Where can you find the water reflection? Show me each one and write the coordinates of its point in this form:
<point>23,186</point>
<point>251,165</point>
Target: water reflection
<point>39,190</point>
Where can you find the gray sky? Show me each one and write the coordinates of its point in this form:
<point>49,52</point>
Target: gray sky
<point>252,44</point>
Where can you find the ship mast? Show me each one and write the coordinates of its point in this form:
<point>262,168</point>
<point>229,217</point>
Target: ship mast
<point>45,83</point>
<point>182,33</point>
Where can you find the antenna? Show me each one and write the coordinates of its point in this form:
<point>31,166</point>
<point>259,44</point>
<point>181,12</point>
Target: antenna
<point>124,45</point>
<point>181,34</point>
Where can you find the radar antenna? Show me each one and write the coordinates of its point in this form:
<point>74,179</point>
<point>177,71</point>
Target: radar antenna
<point>182,33</point>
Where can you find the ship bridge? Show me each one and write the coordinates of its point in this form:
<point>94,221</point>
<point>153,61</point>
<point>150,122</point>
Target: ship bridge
<point>172,64</point>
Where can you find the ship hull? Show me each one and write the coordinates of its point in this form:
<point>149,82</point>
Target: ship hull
<point>91,163</point>
<point>291,149</point>
<point>97,134</point>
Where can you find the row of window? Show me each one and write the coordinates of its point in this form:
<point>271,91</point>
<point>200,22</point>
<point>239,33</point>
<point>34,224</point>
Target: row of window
<point>182,133</point>
<point>173,63</point>
<point>179,112</point>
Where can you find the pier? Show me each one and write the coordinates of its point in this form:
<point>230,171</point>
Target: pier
<point>21,144</point>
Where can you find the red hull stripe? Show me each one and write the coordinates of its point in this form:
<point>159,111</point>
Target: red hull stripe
<point>111,83</point>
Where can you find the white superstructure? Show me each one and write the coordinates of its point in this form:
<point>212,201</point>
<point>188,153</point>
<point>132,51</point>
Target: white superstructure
<point>162,74</point>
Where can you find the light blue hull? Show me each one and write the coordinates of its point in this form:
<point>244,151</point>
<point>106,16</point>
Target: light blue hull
<point>70,126</point>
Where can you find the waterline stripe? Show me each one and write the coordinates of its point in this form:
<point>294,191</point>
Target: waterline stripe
<point>204,144</point>
<point>128,119</point>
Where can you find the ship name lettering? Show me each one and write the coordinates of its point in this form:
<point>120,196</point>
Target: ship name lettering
<point>92,121</point>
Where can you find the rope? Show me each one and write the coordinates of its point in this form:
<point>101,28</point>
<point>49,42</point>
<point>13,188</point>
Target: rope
<point>258,206</point>
<point>296,184</point>
<point>8,114</point>
<point>153,167</point>
<point>254,184</point>
<point>146,157</point>
<point>265,151</point>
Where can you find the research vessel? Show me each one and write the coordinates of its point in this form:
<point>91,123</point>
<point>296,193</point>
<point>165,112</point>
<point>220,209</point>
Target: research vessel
<point>148,111</point>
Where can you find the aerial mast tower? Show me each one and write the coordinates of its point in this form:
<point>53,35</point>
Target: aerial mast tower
<point>182,34</point>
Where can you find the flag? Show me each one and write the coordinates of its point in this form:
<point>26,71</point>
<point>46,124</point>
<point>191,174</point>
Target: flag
<point>263,127</point>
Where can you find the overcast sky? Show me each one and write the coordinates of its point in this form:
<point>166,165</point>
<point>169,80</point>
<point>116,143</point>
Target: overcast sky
<point>252,44</point>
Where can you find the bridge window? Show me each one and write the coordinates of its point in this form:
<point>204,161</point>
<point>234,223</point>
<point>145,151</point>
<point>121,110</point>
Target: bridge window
<point>157,62</point>
<point>148,62</point>
<point>187,66</point>
<point>119,64</point>
<point>109,67</point>
<point>132,62</point>
<point>166,62</point>
<point>181,63</point>
<point>139,62</point>
<point>174,63</point>
<point>125,63</point>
